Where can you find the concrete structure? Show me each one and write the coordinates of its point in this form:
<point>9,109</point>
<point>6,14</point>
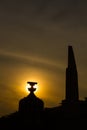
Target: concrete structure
<point>71,78</point>
<point>31,104</point>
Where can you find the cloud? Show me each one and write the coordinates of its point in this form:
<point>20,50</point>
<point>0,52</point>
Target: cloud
<point>43,9</point>
<point>28,60</point>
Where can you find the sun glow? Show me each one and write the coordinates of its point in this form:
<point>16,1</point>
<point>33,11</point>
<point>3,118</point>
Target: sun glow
<point>28,86</point>
<point>33,77</point>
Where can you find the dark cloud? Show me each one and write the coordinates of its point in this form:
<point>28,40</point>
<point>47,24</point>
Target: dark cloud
<point>41,14</point>
<point>42,9</point>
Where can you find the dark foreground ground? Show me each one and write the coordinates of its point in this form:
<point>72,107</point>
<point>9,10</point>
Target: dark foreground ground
<point>50,118</point>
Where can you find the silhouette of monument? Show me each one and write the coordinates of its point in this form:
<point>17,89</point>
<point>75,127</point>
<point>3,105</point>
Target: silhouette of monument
<point>71,114</point>
<point>31,104</point>
<point>71,78</point>
<point>71,95</point>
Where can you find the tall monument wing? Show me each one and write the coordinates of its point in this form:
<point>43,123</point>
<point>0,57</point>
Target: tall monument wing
<point>71,78</point>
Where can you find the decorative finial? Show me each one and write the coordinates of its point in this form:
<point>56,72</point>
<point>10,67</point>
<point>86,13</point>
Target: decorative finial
<point>32,84</point>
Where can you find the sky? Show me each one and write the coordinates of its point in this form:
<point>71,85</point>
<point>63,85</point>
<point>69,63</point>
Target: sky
<point>34,40</point>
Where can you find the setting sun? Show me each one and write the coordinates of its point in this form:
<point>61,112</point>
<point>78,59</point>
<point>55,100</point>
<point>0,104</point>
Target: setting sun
<point>29,86</point>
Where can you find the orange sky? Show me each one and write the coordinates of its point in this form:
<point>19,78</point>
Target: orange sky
<point>34,39</point>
